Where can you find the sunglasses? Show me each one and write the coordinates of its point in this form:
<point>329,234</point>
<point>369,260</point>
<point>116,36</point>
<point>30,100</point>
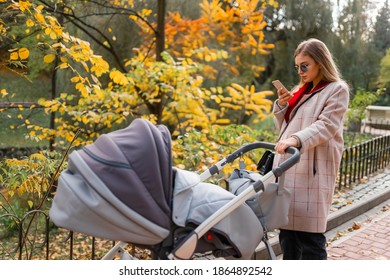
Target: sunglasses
<point>304,68</point>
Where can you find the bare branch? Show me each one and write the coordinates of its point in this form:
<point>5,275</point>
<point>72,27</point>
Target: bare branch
<point>18,105</point>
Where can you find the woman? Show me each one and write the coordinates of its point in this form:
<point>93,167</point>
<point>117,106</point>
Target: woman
<point>310,117</point>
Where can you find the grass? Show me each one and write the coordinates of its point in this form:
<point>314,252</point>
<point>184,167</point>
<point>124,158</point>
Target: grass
<point>16,137</point>
<point>21,90</point>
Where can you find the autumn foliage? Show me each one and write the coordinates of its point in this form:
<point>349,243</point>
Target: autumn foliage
<point>190,90</point>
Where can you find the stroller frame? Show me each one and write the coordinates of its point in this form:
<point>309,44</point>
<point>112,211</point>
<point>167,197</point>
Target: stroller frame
<point>187,247</point>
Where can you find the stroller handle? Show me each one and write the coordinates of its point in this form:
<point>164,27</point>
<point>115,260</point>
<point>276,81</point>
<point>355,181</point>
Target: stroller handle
<point>277,171</point>
<point>187,246</point>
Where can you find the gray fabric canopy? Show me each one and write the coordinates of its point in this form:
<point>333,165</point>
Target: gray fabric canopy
<point>129,171</point>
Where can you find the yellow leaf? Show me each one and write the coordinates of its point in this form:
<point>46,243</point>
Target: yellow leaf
<point>64,65</point>
<point>4,92</point>
<point>225,54</point>
<point>75,79</point>
<point>216,98</point>
<point>100,93</point>
<point>118,77</point>
<point>14,56</point>
<point>100,66</point>
<point>237,87</point>
<point>24,53</point>
<point>223,121</point>
<point>29,23</point>
<point>56,45</point>
<point>38,156</point>
<point>53,35</point>
<point>24,5</point>
<point>40,18</point>
<point>30,203</point>
<point>49,58</point>
<point>190,61</point>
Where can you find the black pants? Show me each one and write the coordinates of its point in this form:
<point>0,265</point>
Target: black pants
<point>299,245</point>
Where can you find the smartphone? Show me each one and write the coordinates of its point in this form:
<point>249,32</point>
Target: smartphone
<point>278,85</point>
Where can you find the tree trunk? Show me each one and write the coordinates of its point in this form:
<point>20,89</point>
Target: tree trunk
<point>160,36</point>
<point>160,46</point>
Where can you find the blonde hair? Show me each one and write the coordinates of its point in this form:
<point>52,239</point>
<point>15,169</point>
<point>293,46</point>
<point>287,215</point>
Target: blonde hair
<point>318,51</point>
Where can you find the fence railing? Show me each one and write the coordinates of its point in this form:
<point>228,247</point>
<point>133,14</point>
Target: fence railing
<point>35,237</point>
<point>361,160</point>
<point>40,239</point>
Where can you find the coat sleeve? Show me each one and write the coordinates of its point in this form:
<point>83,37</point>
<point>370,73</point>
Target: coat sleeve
<point>279,112</point>
<point>329,121</point>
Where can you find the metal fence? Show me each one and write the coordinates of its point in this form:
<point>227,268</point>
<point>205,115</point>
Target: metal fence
<point>361,160</point>
<point>35,237</point>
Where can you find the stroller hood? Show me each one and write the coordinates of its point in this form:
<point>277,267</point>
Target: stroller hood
<point>119,187</point>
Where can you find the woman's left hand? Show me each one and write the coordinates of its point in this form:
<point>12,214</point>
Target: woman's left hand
<point>282,145</point>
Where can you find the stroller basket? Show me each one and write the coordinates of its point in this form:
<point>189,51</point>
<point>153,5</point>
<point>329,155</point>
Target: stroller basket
<point>123,187</point>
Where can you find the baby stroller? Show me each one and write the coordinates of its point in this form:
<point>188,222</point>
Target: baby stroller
<point>123,188</point>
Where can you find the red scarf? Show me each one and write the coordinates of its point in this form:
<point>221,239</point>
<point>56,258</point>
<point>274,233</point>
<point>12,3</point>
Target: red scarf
<point>305,89</point>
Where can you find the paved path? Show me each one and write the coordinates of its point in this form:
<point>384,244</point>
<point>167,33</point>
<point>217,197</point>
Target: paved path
<point>367,239</point>
<point>367,236</point>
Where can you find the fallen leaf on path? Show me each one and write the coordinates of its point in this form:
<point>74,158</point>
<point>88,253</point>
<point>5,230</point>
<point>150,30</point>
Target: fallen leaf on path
<point>356,226</point>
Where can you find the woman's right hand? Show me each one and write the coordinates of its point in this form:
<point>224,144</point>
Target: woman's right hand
<point>283,96</point>
<point>282,145</point>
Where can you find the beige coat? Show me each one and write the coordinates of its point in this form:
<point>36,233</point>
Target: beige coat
<point>318,123</point>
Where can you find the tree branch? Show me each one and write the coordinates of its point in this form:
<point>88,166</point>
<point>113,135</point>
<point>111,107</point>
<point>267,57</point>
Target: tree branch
<point>17,105</point>
<point>79,23</point>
